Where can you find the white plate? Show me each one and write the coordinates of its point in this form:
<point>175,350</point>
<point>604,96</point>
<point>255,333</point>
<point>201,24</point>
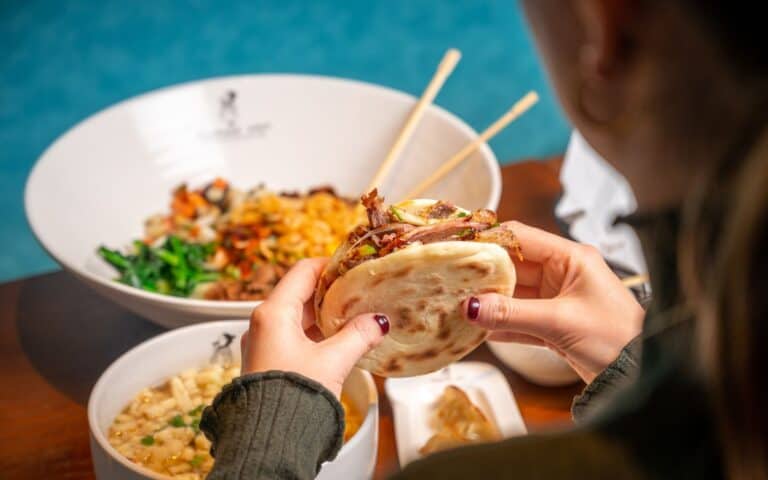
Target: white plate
<point>413,400</point>
<point>99,181</point>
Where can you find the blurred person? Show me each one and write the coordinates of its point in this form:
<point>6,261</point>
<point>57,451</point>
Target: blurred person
<point>673,94</point>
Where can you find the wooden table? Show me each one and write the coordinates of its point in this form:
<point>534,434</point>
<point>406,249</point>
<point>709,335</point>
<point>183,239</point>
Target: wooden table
<point>57,337</point>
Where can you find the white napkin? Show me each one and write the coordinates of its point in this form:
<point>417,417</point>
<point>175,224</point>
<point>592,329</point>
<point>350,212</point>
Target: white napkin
<point>594,195</point>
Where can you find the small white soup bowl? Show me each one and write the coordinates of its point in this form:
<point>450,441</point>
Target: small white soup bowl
<point>99,181</point>
<point>154,361</point>
<point>536,364</point>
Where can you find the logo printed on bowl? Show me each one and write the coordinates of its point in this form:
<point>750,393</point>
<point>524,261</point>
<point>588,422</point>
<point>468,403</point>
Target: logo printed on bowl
<point>230,128</point>
<point>222,352</point>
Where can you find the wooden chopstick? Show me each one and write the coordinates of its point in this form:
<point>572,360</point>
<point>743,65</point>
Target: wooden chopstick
<point>519,108</point>
<point>447,64</point>
<point>635,280</point>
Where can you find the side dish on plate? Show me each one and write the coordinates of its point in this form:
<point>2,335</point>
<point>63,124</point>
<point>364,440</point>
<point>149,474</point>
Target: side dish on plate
<point>465,402</point>
<point>221,243</point>
<point>457,421</point>
<point>160,428</point>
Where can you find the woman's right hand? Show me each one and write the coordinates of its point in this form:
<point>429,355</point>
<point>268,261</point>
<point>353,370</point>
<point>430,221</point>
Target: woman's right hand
<point>566,298</point>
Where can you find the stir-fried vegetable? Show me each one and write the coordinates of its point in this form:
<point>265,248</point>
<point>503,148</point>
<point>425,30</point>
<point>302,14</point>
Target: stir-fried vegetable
<point>367,250</point>
<point>175,268</point>
<point>241,242</point>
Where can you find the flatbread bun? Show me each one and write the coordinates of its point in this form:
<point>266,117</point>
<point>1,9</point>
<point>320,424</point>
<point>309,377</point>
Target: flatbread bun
<point>421,289</point>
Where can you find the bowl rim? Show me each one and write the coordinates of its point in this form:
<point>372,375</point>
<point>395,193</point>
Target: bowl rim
<point>99,388</point>
<point>488,157</point>
<point>564,373</point>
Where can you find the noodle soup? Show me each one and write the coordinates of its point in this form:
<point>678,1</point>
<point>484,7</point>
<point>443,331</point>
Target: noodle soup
<point>160,428</point>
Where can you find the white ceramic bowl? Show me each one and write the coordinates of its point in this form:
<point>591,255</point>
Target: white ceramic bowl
<point>537,364</point>
<point>99,181</point>
<point>157,359</point>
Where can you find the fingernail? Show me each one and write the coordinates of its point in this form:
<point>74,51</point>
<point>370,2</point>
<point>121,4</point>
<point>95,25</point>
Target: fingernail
<point>473,308</point>
<point>383,322</point>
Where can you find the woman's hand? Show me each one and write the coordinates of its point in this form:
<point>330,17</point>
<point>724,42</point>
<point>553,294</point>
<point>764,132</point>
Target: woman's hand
<point>283,335</point>
<point>566,298</point>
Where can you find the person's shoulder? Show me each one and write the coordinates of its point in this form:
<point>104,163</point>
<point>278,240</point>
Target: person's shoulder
<point>567,455</point>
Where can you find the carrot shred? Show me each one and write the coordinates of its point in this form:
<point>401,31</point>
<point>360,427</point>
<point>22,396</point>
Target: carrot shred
<point>180,207</point>
<point>197,200</point>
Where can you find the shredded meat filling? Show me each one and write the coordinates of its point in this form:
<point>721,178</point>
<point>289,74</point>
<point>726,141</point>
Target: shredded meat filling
<point>484,216</point>
<point>460,229</point>
<point>351,261</point>
<point>382,237</point>
<point>374,206</point>
<point>440,210</point>
<point>371,243</point>
<point>503,237</point>
<point>359,232</point>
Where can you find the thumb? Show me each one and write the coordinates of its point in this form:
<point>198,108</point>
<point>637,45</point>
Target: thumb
<point>537,317</point>
<point>356,338</point>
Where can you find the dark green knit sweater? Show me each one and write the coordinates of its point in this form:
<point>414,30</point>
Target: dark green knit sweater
<point>638,419</point>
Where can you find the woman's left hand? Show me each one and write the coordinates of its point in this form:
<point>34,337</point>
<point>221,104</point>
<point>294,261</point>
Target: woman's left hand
<point>283,336</point>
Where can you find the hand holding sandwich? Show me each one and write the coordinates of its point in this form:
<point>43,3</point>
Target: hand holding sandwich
<point>282,334</point>
<point>560,294</point>
<point>566,298</point>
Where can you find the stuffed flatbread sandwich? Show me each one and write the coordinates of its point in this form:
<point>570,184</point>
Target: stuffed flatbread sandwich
<point>416,262</point>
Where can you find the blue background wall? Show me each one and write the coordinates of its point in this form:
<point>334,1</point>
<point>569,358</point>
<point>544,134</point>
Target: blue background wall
<point>60,61</point>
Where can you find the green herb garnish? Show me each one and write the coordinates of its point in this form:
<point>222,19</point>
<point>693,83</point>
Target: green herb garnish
<point>196,411</point>
<point>462,214</point>
<point>464,233</point>
<point>367,250</point>
<point>195,425</point>
<point>177,422</point>
<point>396,213</point>
<point>232,271</point>
<point>175,268</point>
<point>497,224</point>
<point>148,440</point>
<point>197,460</point>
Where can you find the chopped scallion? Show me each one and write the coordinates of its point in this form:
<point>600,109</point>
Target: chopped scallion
<point>396,212</point>
<point>177,422</point>
<point>196,411</point>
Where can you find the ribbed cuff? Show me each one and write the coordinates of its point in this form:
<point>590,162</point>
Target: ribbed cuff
<point>617,374</point>
<point>273,425</point>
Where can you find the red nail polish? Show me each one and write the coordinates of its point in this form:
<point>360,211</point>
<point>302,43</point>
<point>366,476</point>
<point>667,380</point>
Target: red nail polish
<point>383,322</point>
<point>473,308</point>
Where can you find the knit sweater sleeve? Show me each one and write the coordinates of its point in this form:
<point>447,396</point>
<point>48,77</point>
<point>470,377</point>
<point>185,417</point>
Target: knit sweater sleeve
<point>610,380</point>
<point>272,425</point>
